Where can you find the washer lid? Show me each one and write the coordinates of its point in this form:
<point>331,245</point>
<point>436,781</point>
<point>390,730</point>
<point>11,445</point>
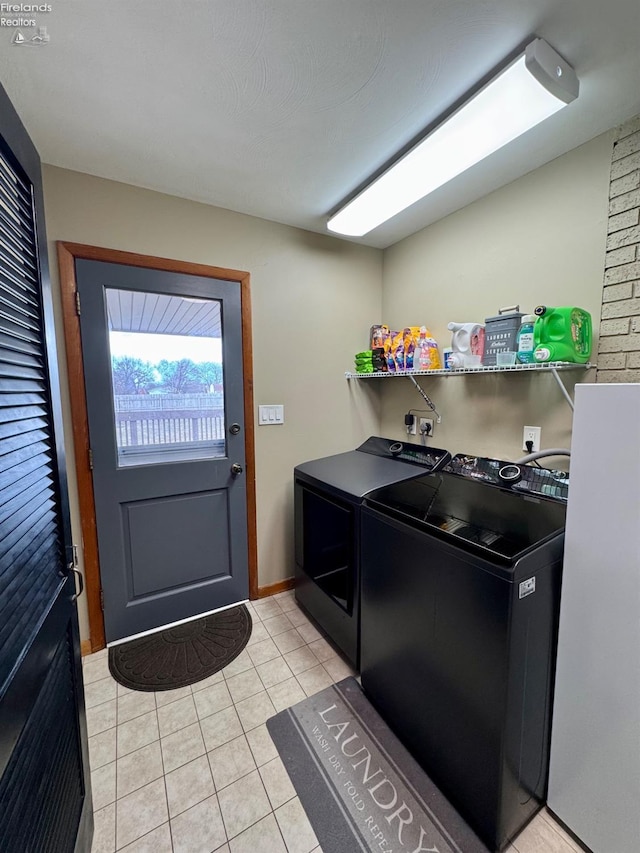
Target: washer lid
<point>473,513</point>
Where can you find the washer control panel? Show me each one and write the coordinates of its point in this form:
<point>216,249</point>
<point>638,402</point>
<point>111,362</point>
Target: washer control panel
<point>542,482</point>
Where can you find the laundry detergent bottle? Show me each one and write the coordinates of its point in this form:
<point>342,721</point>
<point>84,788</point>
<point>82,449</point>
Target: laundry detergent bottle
<point>467,341</point>
<point>562,334</point>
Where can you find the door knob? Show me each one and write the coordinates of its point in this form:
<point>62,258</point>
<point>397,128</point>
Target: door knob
<point>236,468</point>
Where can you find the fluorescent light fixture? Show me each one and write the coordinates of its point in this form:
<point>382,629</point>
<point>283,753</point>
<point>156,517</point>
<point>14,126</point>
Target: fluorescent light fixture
<point>532,87</point>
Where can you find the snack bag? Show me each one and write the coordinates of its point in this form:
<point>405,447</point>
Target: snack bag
<point>388,352</point>
<point>411,335</point>
<point>427,352</point>
<point>378,360</point>
<point>377,336</point>
<point>397,350</point>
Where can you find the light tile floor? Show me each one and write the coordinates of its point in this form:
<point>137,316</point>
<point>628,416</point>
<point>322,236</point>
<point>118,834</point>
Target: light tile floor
<point>195,770</point>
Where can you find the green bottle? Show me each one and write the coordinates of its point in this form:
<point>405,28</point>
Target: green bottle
<point>562,334</point>
<point>524,341</point>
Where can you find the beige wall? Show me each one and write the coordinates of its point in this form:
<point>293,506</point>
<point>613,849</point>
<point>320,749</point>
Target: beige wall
<point>541,239</point>
<point>312,297</point>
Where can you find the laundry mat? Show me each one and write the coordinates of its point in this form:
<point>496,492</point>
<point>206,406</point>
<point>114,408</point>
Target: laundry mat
<point>359,786</point>
<point>182,655</point>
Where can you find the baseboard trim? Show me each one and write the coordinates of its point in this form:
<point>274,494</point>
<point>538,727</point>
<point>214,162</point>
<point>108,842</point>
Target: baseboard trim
<point>273,588</point>
<point>85,647</point>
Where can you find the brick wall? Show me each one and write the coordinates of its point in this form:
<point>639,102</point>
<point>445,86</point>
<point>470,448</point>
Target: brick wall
<point>619,346</point>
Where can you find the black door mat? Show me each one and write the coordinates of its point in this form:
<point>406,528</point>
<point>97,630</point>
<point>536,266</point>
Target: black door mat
<point>182,655</point>
<point>362,791</point>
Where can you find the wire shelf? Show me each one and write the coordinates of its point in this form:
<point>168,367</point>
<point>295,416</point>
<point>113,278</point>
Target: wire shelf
<point>548,367</point>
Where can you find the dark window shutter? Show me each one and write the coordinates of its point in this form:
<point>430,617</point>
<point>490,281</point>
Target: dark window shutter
<point>41,791</point>
<point>31,554</point>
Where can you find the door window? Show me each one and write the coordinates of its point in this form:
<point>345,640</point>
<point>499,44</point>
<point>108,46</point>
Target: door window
<point>167,377</point>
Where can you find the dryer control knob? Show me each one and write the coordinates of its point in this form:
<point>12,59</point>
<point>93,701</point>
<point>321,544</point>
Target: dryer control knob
<point>395,448</point>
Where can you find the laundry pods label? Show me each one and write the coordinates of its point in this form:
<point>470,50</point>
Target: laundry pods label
<point>526,587</point>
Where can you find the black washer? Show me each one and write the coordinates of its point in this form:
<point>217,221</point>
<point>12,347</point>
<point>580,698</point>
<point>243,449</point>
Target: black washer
<point>460,600</point>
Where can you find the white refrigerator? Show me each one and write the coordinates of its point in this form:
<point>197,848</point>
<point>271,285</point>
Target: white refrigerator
<point>594,781</point>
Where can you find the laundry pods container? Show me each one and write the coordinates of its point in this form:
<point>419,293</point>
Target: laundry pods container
<point>500,334</point>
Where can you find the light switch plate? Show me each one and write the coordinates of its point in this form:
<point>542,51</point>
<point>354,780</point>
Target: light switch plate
<point>270,415</point>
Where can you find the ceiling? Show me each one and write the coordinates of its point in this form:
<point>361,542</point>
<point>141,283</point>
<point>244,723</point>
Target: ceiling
<point>161,314</point>
<point>281,108</point>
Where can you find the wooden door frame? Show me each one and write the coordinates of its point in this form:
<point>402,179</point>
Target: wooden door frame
<point>67,255</point>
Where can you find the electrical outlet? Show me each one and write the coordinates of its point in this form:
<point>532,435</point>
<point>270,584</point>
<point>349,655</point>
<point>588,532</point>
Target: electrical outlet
<point>428,423</point>
<point>411,428</point>
<point>531,433</point>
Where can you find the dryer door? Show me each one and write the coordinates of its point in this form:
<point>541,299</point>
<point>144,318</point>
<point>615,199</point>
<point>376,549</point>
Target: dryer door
<point>327,572</point>
<point>325,544</point>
